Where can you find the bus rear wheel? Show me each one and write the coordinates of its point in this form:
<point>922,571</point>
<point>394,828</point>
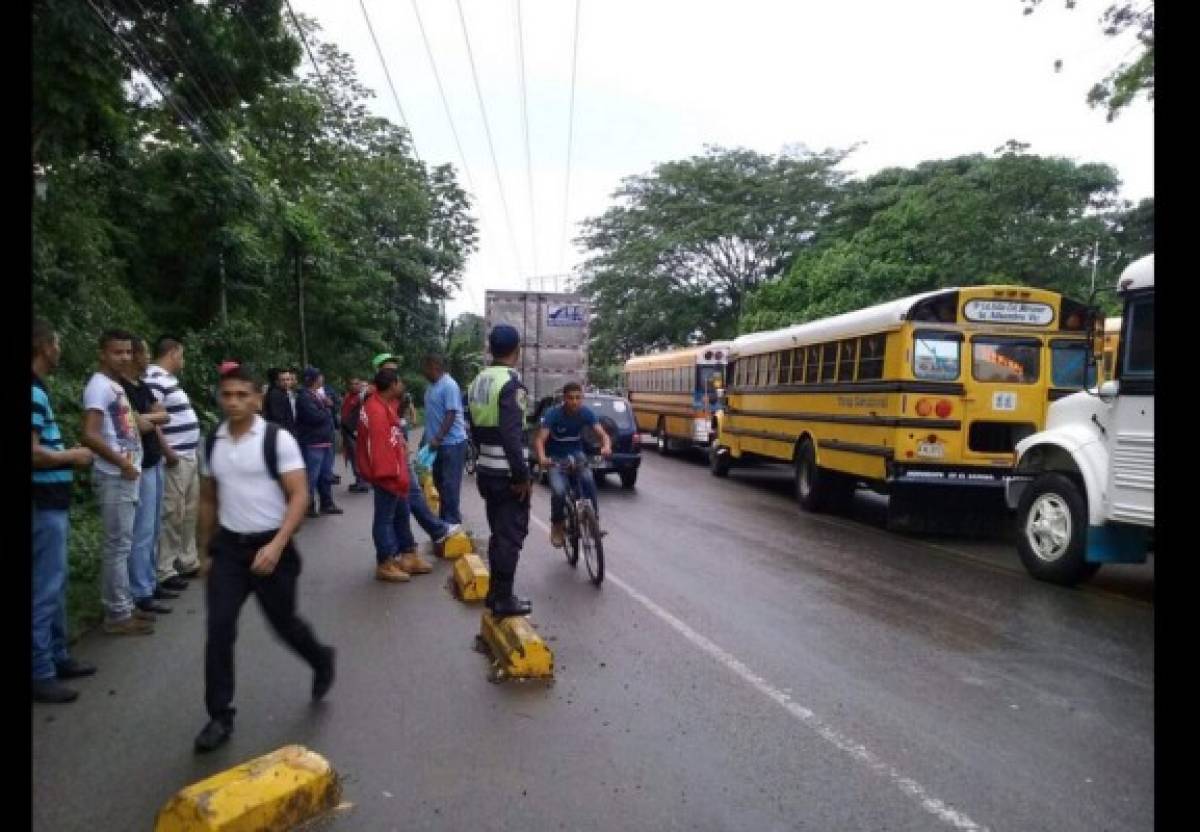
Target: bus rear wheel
<point>719,463</point>
<point>1052,531</point>
<point>819,489</point>
<point>662,440</point>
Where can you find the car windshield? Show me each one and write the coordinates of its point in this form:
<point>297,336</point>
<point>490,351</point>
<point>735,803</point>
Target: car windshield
<point>616,409</point>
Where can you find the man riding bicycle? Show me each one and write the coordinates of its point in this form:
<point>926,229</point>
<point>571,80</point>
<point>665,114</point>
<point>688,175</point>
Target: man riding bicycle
<point>563,425</point>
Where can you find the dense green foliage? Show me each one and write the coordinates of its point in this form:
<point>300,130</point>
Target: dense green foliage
<point>218,212</point>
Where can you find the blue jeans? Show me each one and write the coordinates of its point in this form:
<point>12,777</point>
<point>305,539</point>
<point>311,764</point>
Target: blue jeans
<point>425,517</point>
<point>558,486</point>
<point>390,528</point>
<point>147,522</point>
<point>319,462</point>
<point>118,499</point>
<point>447,476</point>
<point>50,530</point>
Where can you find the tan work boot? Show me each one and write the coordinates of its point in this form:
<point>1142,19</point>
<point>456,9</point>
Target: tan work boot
<point>557,538</point>
<point>128,627</point>
<point>414,564</point>
<point>391,572</point>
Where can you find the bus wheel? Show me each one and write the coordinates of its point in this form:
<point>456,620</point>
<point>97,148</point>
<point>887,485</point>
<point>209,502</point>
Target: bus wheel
<point>1052,531</point>
<point>813,486</point>
<point>663,442</point>
<point>719,463</point>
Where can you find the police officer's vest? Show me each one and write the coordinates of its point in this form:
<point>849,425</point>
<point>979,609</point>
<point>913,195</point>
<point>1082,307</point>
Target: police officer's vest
<point>484,401</point>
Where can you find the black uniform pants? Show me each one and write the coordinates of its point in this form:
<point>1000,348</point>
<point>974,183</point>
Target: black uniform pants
<point>508,521</point>
<point>229,582</point>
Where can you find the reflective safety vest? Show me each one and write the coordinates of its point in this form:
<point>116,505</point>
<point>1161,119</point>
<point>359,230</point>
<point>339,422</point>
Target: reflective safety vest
<point>483,398</point>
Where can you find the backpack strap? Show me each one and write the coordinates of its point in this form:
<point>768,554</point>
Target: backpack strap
<point>271,450</point>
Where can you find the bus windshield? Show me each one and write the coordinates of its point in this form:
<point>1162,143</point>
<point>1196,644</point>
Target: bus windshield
<point>1069,365</point>
<point>1006,360</point>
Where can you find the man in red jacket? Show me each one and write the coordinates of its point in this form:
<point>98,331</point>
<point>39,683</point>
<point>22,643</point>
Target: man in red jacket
<point>383,461</point>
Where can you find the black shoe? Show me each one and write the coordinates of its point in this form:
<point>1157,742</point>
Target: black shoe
<point>150,605</point>
<point>174,583</point>
<point>331,509</point>
<point>323,676</point>
<point>511,605</point>
<point>337,480</point>
<point>49,690</point>
<point>161,594</point>
<point>312,512</point>
<point>74,669</point>
<point>215,734</point>
<point>186,574</point>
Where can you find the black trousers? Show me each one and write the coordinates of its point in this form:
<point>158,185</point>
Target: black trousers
<point>508,521</point>
<point>229,582</point>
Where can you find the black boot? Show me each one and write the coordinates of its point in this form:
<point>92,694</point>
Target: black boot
<point>504,604</point>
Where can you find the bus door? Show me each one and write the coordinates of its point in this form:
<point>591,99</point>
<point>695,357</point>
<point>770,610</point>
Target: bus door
<point>1005,397</point>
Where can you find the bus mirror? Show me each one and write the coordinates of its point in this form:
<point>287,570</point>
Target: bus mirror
<point>1109,390</point>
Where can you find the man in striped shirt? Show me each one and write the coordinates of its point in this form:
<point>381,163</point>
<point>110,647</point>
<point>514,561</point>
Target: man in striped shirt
<point>177,559</point>
<point>52,476</point>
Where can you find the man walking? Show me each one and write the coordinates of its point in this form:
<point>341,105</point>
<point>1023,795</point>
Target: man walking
<point>110,432</point>
<point>177,560</point>
<point>446,433</point>
<point>52,476</point>
<point>498,401</point>
<point>314,431</point>
<point>150,415</point>
<point>383,461</point>
<point>278,406</point>
<point>253,496</point>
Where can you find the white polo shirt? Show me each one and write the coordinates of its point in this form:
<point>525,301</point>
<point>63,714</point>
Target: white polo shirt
<point>248,500</point>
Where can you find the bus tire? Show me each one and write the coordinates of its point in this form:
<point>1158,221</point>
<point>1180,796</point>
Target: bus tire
<point>662,439</point>
<point>719,463</point>
<point>1051,531</point>
<point>814,486</point>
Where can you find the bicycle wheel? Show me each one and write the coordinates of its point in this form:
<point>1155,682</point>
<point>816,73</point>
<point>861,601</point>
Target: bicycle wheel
<point>571,533</point>
<point>593,547</point>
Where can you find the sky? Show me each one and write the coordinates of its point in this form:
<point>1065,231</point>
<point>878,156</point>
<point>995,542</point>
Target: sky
<point>657,80</point>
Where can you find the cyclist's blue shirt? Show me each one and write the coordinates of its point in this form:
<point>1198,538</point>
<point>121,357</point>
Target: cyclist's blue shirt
<point>566,431</point>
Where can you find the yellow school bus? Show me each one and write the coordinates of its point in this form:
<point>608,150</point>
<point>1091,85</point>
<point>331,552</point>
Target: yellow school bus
<point>935,388</point>
<point>675,394</point>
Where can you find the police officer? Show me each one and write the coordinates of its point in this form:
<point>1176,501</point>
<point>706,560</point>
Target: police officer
<point>497,405</point>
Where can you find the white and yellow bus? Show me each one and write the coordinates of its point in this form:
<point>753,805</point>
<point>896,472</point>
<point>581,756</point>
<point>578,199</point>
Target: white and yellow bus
<point>936,388</point>
<point>1112,334</point>
<point>675,394</point>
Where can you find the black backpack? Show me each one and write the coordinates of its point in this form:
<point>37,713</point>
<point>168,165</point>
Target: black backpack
<point>270,448</point>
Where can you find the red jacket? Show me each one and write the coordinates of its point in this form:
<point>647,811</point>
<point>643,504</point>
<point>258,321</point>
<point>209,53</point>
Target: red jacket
<point>381,455</point>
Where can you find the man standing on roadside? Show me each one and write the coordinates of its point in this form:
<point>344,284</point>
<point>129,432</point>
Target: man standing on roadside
<point>278,406</point>
<point>253,496</point>
<point>498,403</point>
<point>351,405</point>
<point>177,560</point>
<point>52,478</point>
<point>446,433</point>
<point>150,415</point>
<point>314,431</point>
<point>110,432</point>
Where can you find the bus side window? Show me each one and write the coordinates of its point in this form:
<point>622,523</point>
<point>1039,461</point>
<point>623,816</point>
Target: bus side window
<point>829,361</point>
<point>797,374</point>
<point>764,368</point>
<point>785,367</point>
<point>870,357</point>
<point>812,368</point>
<point>848,350</point>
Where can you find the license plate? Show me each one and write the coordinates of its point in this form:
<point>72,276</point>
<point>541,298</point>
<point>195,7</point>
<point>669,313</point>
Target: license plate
<point>933,450</point>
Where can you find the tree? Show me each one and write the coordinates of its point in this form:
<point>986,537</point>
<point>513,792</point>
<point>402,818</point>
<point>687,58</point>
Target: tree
<point>1122,85</point>
<point>689,240</point>
<point>1015,217</point>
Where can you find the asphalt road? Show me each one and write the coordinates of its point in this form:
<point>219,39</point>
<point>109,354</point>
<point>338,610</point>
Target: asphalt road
<point>746,666</point>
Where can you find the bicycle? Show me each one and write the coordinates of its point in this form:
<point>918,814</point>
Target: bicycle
<point>581,525</point>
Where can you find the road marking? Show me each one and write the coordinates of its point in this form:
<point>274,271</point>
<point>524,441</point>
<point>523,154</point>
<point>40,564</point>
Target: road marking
<point>938,808</point>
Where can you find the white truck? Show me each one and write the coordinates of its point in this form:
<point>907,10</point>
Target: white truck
<point>1083,488</point>
<point>554,336</point>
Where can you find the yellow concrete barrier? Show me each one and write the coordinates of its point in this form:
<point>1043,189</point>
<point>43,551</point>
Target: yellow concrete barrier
<point>272,793</point>
<point>431,493</point>
<point>471,578</point>
<point>517,651</point>
<point>457,545</point>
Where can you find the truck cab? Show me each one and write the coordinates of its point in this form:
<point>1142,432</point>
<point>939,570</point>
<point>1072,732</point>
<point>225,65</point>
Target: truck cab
<point>1083,488</point>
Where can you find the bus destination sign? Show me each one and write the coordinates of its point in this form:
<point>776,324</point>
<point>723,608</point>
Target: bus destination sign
<point>1008,312</point>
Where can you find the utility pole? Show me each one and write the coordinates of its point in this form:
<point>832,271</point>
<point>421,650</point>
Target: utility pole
<point>1095,261</point>
<point>300,306</point>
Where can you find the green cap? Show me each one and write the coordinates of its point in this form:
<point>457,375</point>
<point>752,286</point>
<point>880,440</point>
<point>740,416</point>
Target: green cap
<point>378,360</point>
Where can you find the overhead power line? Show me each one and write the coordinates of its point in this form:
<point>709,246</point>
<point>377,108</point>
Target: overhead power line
<point>562,254</point>
<point>488,132</point>
<point>442,92</point>
<point>387,74</point>
<point>311,58</point>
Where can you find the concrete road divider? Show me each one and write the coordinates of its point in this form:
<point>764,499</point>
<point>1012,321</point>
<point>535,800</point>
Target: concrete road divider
<point>458,545</point>
<point>516,650</point>
<point>272,793</point>
<point>471,578</point>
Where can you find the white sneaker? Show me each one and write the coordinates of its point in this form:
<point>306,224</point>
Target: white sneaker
<point>450,532</point>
